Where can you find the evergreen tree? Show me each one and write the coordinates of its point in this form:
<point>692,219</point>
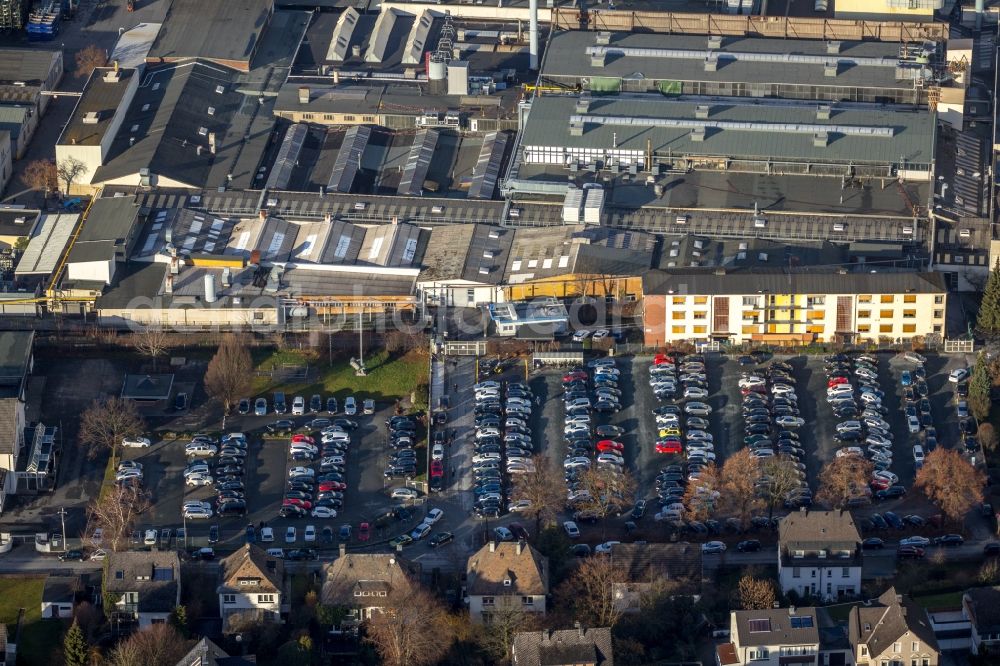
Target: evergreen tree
<point>75,648</point>
<point>979,390</point>
<point>179,621</point>
<point>988,320</point>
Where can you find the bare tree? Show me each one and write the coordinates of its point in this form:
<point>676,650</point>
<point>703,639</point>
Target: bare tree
<point>609,491</point>
<point>105,424</point>
<point>151,342</point>
<point>412,629</point>
<point>229,372</point>
<point>755,593</point>
<point>702,494</point>
<point>69,169</point>
<point>737,487</point>
<point>951,482</point>
<point>843,479</point>
<point>42,175</point>
<point>590,592</point>
<point>497,637</point>
<point>987,436</point>
<point>544,488</point>
<point>88,59</point>
<point>157,645</point>
<point>780,475</point>
<point>115,512</point>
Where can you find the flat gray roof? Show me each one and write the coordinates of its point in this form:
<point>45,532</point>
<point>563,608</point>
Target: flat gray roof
<point>771,128</point>
<point>30,66</point>
<point>101,96</point>
<point>566,56</point>
<point>109,218</point>
<point>220,31</point>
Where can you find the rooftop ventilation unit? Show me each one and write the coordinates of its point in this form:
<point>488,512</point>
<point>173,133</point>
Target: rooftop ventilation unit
<point>603,38</point>
<point>91,118</point>
<point>597,59</point>
<point>576,128</point>
<point>823,112</point>
<point>833,47</point>
<point>701,111</point>
<point>698,134</point>
<point>830,68</point>
<point>711,63</point>
<point>715,41</point>
<point>821,139</point>
<point>582,104</point>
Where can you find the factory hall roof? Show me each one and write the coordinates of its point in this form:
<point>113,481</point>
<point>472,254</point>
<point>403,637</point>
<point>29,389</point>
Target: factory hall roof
<point>95,110</point>
<point>28,66</point>
<point>735,129</point>
<point>568,55</point>
<point>226,32</point>
<point>465,251</point>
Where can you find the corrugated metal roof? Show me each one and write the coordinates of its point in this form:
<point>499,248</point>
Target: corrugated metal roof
<point>911,142</point>
<point>46,245</point>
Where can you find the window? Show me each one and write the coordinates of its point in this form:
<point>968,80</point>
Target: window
<point>265,598</point>
<point>897,647</point>
<point>678,300</point>
<point>368,119</point>
<point>307,116</point>
<point>676,315</point>
<point>229,598</point>
<point>760,654</point>
<point>885,314</point>
<point>864,650</point>
<point>887,298</point>
<point>699,329</point>
<point>865,298</point>
<point>938,314</point>
<point>700,300</point>
<point>864,328</point>
<point>864,314</point>
<point>749,301</point>
<point>885,328</point>
<point>909,328</point>
<point>700,314</point>
<point>845,572</point>
<point>937,328</point>
<point>910,298</point>
<point>915,647</point>
<point>120,575</point>
<point>799,553</point>
<point>759,625</point>
<point>796,572</point>
<point>327,116</point>
<point>487,601</point>
<point>348,119</point>
<point>677,330</point>
<point>802,622</point>
<point>470,295</point>
<point>812,572</point>
<point>527,601</point>
<point>909,314</point>
<point>938,300</point>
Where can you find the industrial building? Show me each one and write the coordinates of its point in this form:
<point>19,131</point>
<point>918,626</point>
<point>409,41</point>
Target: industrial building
<point>781,307</point>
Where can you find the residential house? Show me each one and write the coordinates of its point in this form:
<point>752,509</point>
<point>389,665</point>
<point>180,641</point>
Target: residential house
<point>463,265</point>
<point>253,582</point>
<point>206,653</point>
<point>819,554</point>
<point>892,631</point>
<point>649,568</point>
<point>791,308</point>
<point>568,647</point>
<point>59,595</point>
<point>506,575</point>
<point>772,636</point>
<point>981,606</point>
<point>144,587</point>
<point>360,584</point>
<point>16,362</point>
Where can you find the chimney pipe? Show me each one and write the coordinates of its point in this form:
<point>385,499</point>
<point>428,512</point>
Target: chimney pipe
<point>343,549</point>
<point>493,546</point>
<point>579,629</point>
<point>520,546</point>
<point>533,33</point>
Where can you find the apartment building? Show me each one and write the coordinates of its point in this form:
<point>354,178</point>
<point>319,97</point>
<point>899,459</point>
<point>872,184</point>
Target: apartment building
<point>819,554</point>
<point>791,308</point>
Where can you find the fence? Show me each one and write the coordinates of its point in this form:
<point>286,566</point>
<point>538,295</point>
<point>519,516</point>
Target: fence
<point>959,346</point>
<point>463,348</point>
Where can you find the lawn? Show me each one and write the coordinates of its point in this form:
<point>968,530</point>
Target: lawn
<point>389,377</point>
<point>38,636</point>
<point>945,600</point>
<point>838,613</point>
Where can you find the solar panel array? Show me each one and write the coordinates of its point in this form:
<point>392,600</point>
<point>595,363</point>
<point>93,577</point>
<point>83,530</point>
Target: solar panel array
<point>484,180</point>
<point>348,161</point>
<point>417,163</point>
<point>968,173</point>
<point>288,157</point>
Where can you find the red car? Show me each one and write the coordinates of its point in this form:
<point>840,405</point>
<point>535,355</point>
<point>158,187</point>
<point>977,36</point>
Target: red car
<point>880,483</point>
<point>437,469</point>
<point>573,376</point>
<point>668,446</point>
<point>753,389</point>
<point>661,359</point>
<point>305,504</point>
<point>364,532</point>
<point>610,445</point>
<point>836,381</point>
<point>327,486</point>
<point>302,438</point>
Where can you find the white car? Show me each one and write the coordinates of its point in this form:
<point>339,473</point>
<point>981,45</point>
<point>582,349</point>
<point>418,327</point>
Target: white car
<point>404,493</point>
<point>580,336</point>
<point>420,531</point>
<point>298,406</point>
<point>437,453</point>
<point>713,547</point>
<point>572,531</point>
<point>350,406</point>
<point>957,375</point>
<point>605,548</point>
<point>199,479</point>
<point>601,333</point>
<point>849,451</point>
<point>195,513</point>
<point>196,468</point>
<point>301,471</point>
<point>200,450</point>
<point>433,516</point>
<point>697,409</point>
<point>579,461</point>
<point>267,534</point>
<point>324,512</point>
<point>334,460</point>
<point>790,421</point>
<point>197,504</point>
<point>918,455</point>
<point>913,424</point>
<point>149,538</point>
<point>98,555</point>
<point>310,533</point>
<point>483,457</point>
<point>519,506</point>
<point>290,534</point>
<point>136,442</point>
<point>611,459</point>
<point>694,393</point>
